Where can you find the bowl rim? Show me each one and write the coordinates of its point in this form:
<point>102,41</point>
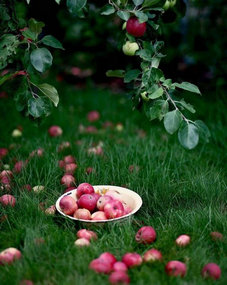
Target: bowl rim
<point>140,202</point>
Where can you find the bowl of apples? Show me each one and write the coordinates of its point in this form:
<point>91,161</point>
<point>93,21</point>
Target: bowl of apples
<point>99,203</point>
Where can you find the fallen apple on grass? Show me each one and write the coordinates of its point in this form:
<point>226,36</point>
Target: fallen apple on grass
<point>9,255</point>
<point>93,116</point>
<point>212,271</point>
<point>55,131</point>
<point>176,268</point>
<point>8,200</point>
<point>120,266</point>
<point>26,282</point>
<point>38,189</point>
<point>51,210</point>
<point>146,235</point>
<point>68,205</point>
<point>108,257</point>
<point>87,234</point>
<point>152,255</point>
<point>68,180</point>
<point>82,242</point>
<point>183,240</point>
<point>70,168</point>
<point>69,159</point>
<point>119,277</point>
<point>216,236</point>
<point>132,259</point>
<point>100,266</point>
<point>3,152</point>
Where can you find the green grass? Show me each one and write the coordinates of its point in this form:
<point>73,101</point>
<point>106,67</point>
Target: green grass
<point>182,191</point>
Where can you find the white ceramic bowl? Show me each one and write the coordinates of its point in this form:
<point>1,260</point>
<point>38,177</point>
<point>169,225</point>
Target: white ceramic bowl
<point>129,197</point>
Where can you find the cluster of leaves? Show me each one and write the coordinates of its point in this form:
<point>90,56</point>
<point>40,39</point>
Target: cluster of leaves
<point>28,48</point>
<point>152,92</point>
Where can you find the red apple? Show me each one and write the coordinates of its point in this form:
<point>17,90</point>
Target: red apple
<point>55,131</point>
<point>8,200</point>
<point>70,168</point>
<point>68,180</point>
<point>3,152</point>
<point>176,268</point>
<point>18,166</point>
<point>90,170</point>
<point>135,28</point>
<point>82,214</point>
<point>61,163</point>
<point>152,255</point>
<point>26,282</point>
<point>93,116</point>
<point>84,188</point>
<point>68,205</point>
<point>27,187</point>
<point>5,180</point>
<point>102,201</point>
<point>216,236</point>
<point>114,194</point>
<point>212,271</point>
<point>63,146</point>
<point>100,266</point>
<point>9,255</point>
<point>96,196</point>
<point>87,234</point>
<point>183,240</point>
<point>113,209</point>
<point>146,235</point>
<point>119,277</point>
<point>69,159</point>
<point>6,173</point>
<point>51,210</point>
<point>108,257</point>
<point>98,216</point>
<point>82,242</point>
<point>87,201</point>
<point>120,266</point>
<point>132,259</point>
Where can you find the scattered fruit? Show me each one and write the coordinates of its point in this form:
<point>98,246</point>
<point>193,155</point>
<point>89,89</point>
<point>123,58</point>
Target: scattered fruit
<point>51,210</point>
<point>87,234</point>
<point>16,133</point>
<point>183,240</point>
<point>212,271</point>
<point>132,259</point>
<point>152,255</point>
<point>216,236</point>
<point>120,266</point>
<point>55,131</point>
<point>38,189</point>
<point>119,277</point>
<point>176,268</point>
<point>100,266</point>
<point>9,255</point>
<point>93,116</point>
<point>82,242</point>
<point>146,235</point>
<point>8,200</point>
<point>68,180</point>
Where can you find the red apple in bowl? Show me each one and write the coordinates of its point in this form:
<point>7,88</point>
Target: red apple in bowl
<point>87,201</point>
<point>113,209</point>
<point>98,216</point>
<point>82,214</point>
<point>102,201</point>
<point>68,205</point>
<point>84,188</point>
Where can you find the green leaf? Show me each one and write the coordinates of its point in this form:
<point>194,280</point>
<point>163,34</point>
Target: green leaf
<point>204,132</point>
<point>156,94</point>
<point>187,86</point>
<point>35,26</point>
<point>8,48</point>
<point>21,98</point>
<point>145,54</point>
<point>172,121</point>
<point>58,1</point>
<point>131,75</point>
<point>155,62</point>
<point>123,15</point>
<point>75,6</point>
<point>188,136</point>
<point>151,3</point>
<point>141,16</point>
<point>41,59</point>
<point>153,25</point>
<point>156,110</point>
<point>52,42</point>
<point>28,34</point>
<point>107,10</point>
<point>36,107</point>
<point>28,1</point>
<point>187,106</point>
<point>50,91</point>
<point>138,2</point>
<point>115,73</point>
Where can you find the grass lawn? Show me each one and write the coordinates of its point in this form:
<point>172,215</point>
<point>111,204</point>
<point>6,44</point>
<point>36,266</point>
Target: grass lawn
<point>182,191</point>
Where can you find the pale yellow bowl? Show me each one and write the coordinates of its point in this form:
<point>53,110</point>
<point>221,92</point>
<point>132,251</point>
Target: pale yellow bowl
<point>129,197</point>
